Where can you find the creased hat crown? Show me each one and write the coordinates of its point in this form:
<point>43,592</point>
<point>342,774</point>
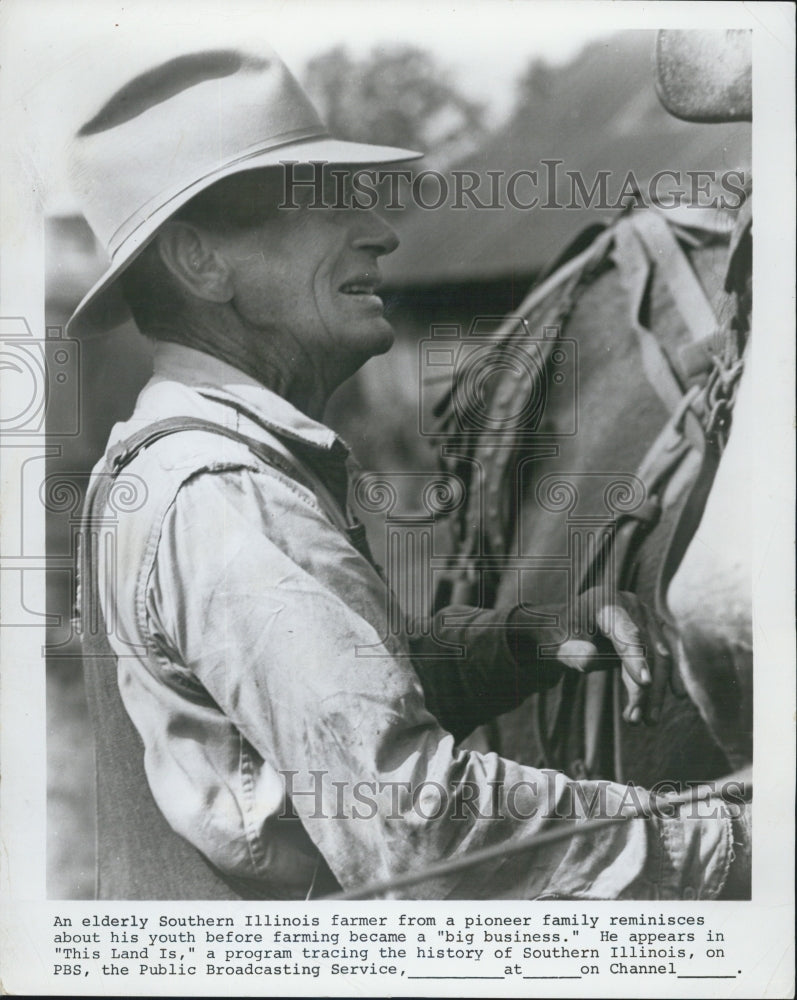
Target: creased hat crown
<point>182,121</point>
<point>173,128</point>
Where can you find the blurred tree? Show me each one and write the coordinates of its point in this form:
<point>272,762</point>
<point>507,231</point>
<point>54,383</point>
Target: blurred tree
<point>399,96</point>
<point>535,84</point>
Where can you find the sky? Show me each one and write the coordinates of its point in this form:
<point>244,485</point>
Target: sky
<point>63,56</point>
<point>486,49</point>
<point>60,58</point>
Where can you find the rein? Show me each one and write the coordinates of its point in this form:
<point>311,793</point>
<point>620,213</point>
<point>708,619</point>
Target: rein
<point>665,805</point>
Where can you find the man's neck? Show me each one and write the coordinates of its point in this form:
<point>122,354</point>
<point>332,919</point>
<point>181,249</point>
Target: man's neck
<point>272,366</point>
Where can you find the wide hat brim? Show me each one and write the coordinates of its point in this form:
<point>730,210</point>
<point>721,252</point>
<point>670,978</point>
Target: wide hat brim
<point>103,308</point>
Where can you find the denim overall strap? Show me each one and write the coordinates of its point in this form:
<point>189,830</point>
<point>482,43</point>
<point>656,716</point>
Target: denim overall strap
<point>138,855</point>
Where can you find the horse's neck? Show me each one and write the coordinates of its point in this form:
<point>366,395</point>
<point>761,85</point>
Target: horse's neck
<point>722,540</point>
<point>713,586</point>
<point>711,593</point>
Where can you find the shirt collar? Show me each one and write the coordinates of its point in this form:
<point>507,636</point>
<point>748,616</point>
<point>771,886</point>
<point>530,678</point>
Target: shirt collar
<point>218,380</point>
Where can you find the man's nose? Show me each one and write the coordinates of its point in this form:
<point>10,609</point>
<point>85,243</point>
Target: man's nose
<point>374,233</point>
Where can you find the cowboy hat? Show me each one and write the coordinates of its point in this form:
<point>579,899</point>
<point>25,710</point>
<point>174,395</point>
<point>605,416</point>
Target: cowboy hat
<point>172,130</point>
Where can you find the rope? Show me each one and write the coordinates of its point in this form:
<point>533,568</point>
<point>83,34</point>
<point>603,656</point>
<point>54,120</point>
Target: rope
<point>380,887</point>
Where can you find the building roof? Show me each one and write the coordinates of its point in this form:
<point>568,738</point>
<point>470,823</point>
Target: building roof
<point>598,113</point>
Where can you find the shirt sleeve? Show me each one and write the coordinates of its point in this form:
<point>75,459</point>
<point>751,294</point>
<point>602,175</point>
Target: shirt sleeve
<point>260,599</point>
<point>499,666</point>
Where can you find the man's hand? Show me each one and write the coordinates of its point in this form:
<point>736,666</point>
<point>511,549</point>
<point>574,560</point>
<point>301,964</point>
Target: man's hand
<point>621,626</point>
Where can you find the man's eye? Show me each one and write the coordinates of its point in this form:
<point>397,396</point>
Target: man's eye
<point>338,190</point>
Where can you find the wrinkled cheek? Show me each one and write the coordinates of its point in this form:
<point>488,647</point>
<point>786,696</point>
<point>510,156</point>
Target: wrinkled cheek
<point>322,314</point>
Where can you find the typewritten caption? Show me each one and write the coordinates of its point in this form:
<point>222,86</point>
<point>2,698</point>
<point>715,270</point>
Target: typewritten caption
<point>560,944</point>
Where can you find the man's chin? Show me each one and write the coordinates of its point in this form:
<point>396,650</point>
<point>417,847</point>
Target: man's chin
<point>386,340</point>
<point>379,339</point>
<point>371,343</point>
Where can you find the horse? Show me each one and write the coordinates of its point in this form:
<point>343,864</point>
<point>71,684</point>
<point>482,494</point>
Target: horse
<point>603,439</point>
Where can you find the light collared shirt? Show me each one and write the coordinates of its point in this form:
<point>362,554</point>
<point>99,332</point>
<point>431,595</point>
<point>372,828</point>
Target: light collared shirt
<point>286,726</point>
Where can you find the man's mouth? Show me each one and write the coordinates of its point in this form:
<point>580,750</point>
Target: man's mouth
<point>363,285</point>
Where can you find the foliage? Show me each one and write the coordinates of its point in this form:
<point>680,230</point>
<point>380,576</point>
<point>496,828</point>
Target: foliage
<point>536,83</point>
<point>398,96</point>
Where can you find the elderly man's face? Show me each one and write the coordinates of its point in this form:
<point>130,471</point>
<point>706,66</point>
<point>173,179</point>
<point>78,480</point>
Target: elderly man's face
<point>311,274</point>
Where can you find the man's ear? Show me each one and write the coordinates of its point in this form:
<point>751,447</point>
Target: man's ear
<point>192,259</point>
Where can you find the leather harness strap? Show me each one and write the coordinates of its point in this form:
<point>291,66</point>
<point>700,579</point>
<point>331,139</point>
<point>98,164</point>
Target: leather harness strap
<point>637,252</point>
<point>139,856</point>
<point>546,307</point>
<point>665,252</point>
<point>641,244</point>
<point>688,431</point>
